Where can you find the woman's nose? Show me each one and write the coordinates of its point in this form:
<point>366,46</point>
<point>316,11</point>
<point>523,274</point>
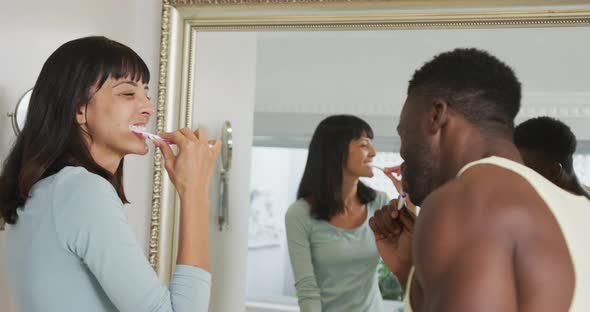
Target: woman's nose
<point>372,151</point>
<point>147,108</point>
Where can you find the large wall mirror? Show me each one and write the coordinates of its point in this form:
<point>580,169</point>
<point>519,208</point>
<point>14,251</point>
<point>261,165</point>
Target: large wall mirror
<point>275,69</point>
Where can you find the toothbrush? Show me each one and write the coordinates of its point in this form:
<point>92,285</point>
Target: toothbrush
<point>152,136</point>
<point>377,167</point>
<point>380,168</point>
<point>401,202</point>
<point>148,135</point>
<point>402,195</point>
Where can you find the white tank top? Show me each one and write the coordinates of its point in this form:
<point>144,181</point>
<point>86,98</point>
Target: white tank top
<point>573,216</point>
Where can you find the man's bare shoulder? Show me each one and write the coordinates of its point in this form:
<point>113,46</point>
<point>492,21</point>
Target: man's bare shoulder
<point>489,217</point>
<point>486,188</point>
<point>460,230</point>
<point>485,200</point>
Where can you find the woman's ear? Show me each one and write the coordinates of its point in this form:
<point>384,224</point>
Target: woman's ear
<point>81,114</point>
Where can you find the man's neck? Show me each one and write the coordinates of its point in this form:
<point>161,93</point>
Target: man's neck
<point>470,148</point>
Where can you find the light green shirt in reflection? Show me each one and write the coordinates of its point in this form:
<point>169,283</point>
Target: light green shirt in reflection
<point>335,269</point>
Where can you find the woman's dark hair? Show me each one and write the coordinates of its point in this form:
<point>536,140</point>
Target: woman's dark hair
<point>51,137</point>
<point>321,184</point>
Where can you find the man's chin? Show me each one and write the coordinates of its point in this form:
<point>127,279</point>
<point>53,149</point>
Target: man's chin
<point>417,199</point>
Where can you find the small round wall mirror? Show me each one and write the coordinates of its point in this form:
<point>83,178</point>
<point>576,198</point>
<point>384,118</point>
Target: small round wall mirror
<point>20,112</point>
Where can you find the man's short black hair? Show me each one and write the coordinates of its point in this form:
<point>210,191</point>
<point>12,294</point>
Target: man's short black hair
<point>475,83</point>
<point>553,139</point>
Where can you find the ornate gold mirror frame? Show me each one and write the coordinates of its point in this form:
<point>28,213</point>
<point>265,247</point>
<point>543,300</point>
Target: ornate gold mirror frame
<point>183,19</point>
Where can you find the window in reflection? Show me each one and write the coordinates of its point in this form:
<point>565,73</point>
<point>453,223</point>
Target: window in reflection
<point>582,167</point>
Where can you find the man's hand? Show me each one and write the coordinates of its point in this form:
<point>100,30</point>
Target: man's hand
<point>393,235</point>
<point>391,173</point>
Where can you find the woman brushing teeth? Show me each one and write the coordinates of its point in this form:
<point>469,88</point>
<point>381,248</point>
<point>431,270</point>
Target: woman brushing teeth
<point>61,190</point>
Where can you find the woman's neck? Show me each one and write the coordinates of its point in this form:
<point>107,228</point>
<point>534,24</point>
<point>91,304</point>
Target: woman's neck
<point>102,155</point>
<point>349,193</point>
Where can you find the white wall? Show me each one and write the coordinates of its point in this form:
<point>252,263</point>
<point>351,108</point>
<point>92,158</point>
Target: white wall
<point>366,72</point>
<point>31,30</point>
<point>224,90</point>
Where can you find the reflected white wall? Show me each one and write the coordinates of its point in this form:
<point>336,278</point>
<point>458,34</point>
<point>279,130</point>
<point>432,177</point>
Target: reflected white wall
<point>224,90</point>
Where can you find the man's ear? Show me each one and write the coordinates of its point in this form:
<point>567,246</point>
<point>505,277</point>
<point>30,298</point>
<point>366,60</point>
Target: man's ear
<point>555,171</point>
<point>552,171</point>
<point>438,115</point>
<point>81,114</point>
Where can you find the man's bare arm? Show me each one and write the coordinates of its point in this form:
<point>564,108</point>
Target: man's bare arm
<point>462,262</point>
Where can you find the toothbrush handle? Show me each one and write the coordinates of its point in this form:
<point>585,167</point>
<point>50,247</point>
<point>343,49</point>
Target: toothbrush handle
<point>155,136</point>
<point>401,202</point>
